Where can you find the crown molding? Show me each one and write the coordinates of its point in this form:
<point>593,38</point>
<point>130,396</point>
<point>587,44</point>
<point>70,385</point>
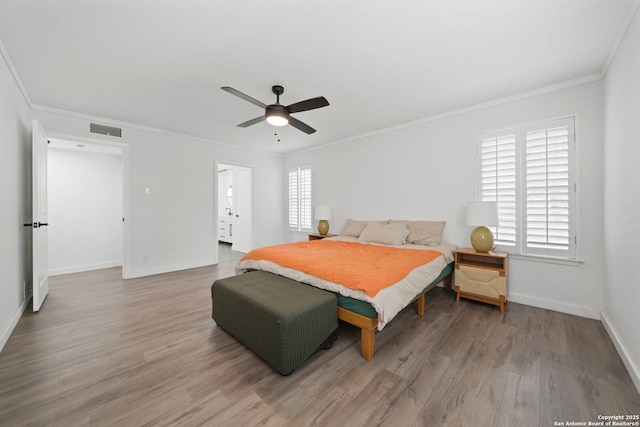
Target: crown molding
<point>481,106</point>
<point>14,73</point>
<point>621,36</point>
<point>118,123</point>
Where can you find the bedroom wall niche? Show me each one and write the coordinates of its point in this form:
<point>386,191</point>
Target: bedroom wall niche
<point>85,207</point>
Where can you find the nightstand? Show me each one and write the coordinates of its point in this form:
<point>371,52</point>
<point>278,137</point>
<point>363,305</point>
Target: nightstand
<point>317,236</point>
<point>482,276</point>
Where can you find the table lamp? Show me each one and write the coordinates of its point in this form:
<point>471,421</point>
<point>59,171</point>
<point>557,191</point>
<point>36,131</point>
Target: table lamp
<point>481,215</point>
<point>323,214</point>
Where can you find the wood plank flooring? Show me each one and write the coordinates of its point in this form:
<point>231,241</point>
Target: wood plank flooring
<point>145,352</point>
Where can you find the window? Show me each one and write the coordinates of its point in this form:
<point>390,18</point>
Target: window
<point>530,172</point>
<point>300,198</point>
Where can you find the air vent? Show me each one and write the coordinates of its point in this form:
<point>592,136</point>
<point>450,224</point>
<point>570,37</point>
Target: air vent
<point>105,130</point>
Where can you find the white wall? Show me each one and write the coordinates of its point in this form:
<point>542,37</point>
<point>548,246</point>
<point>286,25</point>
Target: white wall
<point>174,226</point>
<point>426,171</point>
<point>622,199</point>
<point>15,205</point>
<point>85,210</point>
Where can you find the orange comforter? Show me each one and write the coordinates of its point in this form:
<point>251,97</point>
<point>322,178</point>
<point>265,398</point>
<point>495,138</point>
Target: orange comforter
<point>368,268</point>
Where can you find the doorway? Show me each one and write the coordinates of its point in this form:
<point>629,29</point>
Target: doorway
<point>86,206</point>
<point>235,207</point>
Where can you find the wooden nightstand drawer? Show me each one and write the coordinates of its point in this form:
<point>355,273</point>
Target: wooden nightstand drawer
<point>482,276</point>
<point>479,281</point>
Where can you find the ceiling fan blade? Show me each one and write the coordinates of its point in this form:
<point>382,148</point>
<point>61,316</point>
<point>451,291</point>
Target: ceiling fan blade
<point>251,122</point>
<point>243,96</point>
<point>309,104</point>
<point>301,126</point>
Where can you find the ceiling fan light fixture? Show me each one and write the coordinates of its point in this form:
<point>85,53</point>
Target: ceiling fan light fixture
<point>277,115</point>
<point>277,120</point>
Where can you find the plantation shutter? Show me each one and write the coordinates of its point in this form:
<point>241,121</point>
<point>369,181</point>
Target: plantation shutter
<point>529,171</point>
<point>305,198</point>
<point>497,153</point>
<point>300,218</point>
<point>293,199</point>
<point>550,195</point>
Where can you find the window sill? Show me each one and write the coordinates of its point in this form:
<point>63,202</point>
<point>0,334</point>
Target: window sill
<point>547,259</point>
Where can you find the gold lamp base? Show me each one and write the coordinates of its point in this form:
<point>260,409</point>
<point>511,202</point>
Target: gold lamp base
<point>323,227</point>
<point>482,239</point>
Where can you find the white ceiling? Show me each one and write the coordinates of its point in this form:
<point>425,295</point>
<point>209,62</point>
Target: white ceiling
<point>161,63</point>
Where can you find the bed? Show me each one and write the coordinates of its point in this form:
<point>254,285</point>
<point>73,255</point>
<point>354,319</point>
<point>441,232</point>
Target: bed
<point>376,269</point>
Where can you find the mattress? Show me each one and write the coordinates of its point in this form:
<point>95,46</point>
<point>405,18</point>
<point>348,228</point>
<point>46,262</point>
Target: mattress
<point>367,310</point>
<point>387,303</point>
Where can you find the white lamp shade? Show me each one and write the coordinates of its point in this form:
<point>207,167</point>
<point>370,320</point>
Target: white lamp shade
<point>323,212</point>
<point>482,213</point>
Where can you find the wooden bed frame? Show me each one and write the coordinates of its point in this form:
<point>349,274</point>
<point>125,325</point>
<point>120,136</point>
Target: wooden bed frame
<point>368,325</point>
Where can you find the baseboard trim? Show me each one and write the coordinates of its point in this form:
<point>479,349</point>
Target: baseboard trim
<point>81,268</point>
<point>632,368</point>
<point>135,273</point>
<point>12,325</point>
<point>576,310</point>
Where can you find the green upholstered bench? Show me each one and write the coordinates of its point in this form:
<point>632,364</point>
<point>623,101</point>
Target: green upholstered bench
<point>281,320</point>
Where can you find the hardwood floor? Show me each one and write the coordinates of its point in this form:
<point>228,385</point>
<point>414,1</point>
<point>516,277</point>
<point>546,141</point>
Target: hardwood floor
<point>108,352</point>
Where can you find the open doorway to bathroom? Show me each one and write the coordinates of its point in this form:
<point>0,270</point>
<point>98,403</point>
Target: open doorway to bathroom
<point>235,210</point>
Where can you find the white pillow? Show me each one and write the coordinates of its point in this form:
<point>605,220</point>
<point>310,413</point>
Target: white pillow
<point>387,234</point>
<point>428,233</point>
<point>353,228</point>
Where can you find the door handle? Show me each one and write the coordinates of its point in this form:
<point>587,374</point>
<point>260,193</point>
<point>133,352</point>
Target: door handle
<point>36,224</point>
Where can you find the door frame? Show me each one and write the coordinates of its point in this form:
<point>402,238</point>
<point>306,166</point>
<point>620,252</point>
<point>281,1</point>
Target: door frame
<point>126,231</point>
<point>217,164</point>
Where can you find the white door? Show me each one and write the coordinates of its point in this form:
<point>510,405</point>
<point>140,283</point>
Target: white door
<point>39,220</point>
<point>242,233</point>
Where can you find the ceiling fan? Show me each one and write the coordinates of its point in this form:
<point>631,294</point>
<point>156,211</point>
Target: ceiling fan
<point>277,114</point>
